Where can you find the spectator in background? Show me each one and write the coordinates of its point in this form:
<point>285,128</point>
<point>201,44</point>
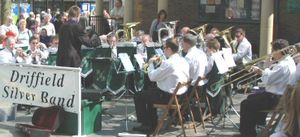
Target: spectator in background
<point>53,46</point>
<point>37,27</point>
<point>24,33</point>
<point>157,24</point>
<point>9,26</point>
<point>30,21</point>
<point>48,25</point>
<point>8,54</point>
<point>44,38</point>
<point>83,20</point>
<point>117,14</point>
<point>58,22</point>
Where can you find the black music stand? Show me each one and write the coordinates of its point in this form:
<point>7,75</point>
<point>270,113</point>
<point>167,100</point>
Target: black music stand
<point>125,67</point>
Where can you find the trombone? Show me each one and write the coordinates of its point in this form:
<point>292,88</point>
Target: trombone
<point>290,50</point>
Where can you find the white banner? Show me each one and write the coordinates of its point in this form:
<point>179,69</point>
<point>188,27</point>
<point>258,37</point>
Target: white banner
<point>41,85</point>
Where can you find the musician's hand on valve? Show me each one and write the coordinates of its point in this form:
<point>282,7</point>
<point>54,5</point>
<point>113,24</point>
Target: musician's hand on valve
<point>154,59</point>
<point>257,70</point>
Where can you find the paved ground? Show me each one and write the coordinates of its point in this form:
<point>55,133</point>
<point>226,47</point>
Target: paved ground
<point>112,126</point>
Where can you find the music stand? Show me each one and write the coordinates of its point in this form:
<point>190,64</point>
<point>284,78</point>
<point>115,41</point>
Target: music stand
<point>125,67</point>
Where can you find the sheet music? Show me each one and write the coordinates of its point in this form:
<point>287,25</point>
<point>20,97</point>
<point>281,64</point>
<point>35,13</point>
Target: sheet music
<point>126,62</point>
<point>139,60</point>
<point>228,57</point>
<point>220,62</point>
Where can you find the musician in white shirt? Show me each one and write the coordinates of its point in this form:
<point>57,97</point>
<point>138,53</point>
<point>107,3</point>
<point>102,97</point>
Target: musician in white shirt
<point>276,79</point>
<point>171,71</point>
<point>196,58</point>
<point>243,48</point>
<point>142,47</point>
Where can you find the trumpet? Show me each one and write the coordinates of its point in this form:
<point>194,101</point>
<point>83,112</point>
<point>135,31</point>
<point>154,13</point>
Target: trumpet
<point>290,50</point>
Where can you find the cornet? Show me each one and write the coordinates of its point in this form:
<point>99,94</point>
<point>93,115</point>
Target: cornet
<point>156,60</point>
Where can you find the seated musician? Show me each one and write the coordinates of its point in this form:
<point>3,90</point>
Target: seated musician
<point>142,47</point>
<point>215,79</point>
<point>196,58</point>
<point>243,48</point>
<point>275,78</point>
<point>171,71</point>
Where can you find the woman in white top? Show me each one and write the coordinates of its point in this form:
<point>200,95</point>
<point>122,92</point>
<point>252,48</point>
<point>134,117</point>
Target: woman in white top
<point>24,33</point>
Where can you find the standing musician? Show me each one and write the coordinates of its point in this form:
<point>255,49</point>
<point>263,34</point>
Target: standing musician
<point>275,78</point>
<point>72,36</point>
<point>171,71</point>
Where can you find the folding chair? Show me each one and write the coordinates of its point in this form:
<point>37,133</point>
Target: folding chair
<point>173,104</point>
<point>194,95</point>
<point>273,122</point>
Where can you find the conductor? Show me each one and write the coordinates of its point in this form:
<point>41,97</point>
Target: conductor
<point>72,35</point>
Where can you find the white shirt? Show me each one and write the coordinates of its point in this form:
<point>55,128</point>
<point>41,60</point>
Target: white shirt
<point>24,36</point>
<point>296,77</point>
<point>11,27</point>
<point>117,12</point>
<point>50,29</point>
<point>277,76</point>
<point>244,52</point>
<point>171,71</point>
<point>142,50</point>
<point>197,62</point>
<point>7,56</point>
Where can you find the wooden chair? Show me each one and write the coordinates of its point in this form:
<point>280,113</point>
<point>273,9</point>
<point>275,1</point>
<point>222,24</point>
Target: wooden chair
<point>273,122</point>
<point>194,95</point>
<point>173,104</point>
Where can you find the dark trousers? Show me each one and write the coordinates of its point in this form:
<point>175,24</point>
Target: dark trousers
<point>251,114</point>
<point>145,112</point>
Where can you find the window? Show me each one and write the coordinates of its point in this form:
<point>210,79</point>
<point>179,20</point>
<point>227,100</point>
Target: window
<point>229,10</point>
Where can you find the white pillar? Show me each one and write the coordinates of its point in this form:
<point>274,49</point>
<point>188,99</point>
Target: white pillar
<point>128,9</point>
<point>266,26</point>
<point>162,4</point>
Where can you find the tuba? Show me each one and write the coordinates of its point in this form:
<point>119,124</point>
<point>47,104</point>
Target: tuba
<point>168,31</point>
<point>127,33</point>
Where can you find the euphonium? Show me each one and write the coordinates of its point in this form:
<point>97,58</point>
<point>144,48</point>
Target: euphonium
<point>201,31</point>
<point>128,31</point>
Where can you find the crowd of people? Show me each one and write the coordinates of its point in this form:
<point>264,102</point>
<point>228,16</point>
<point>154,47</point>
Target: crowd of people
<point>186,59</point>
